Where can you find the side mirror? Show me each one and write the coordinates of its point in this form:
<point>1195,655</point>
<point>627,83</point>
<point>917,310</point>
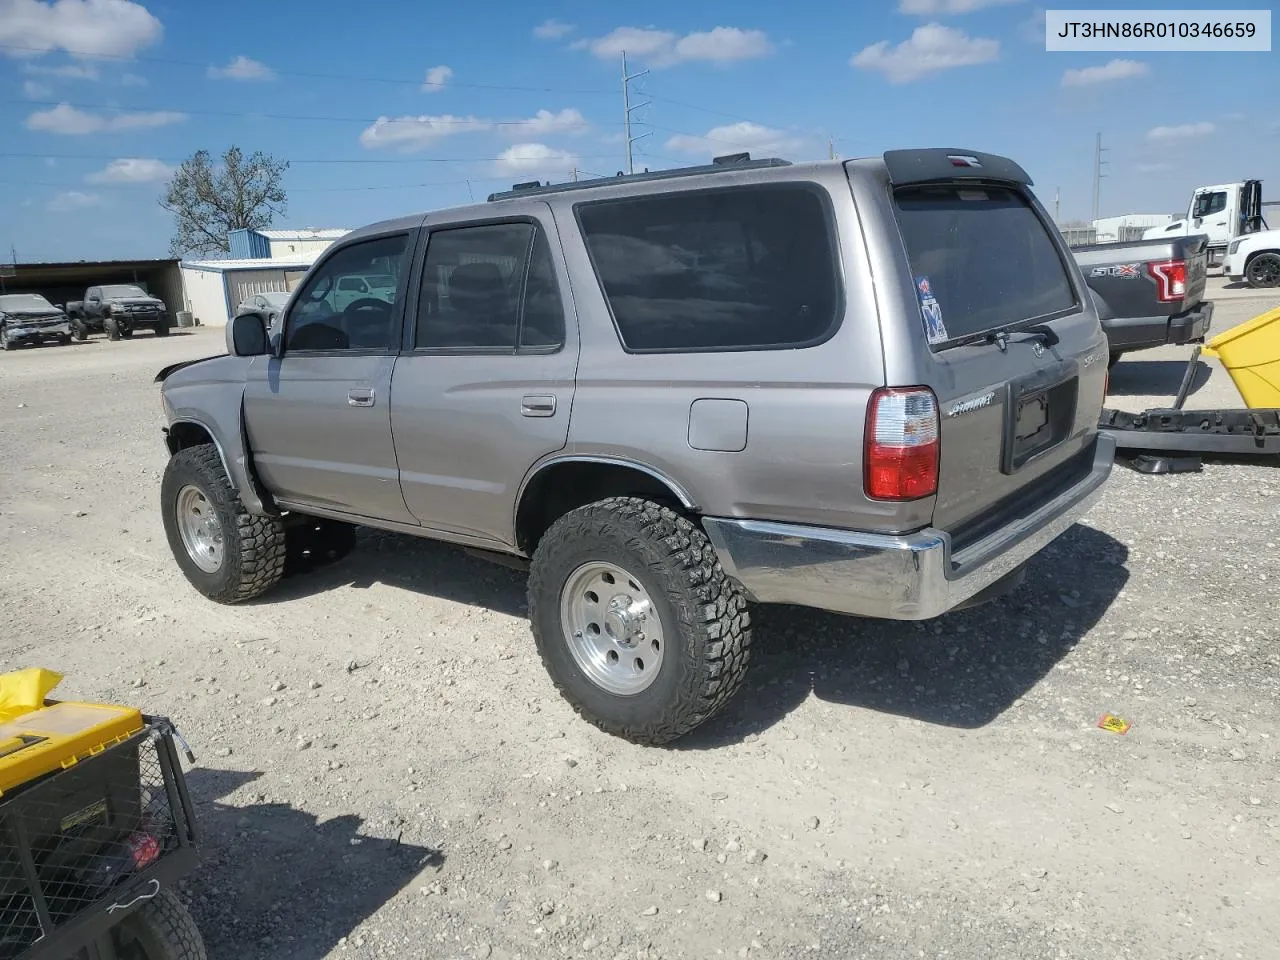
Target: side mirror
<point>247,335</point>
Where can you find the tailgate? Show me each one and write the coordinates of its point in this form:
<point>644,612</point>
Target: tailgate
<point>1015,353</point>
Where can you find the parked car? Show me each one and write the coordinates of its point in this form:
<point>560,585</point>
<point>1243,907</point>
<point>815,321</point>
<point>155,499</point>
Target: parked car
<point>1148,292</point>
<point>267,304</point>
<point>351,289</point>
<point>871,387</point>
<point>1255,259</point>
<point>30,318</point>
<point>118,310</point>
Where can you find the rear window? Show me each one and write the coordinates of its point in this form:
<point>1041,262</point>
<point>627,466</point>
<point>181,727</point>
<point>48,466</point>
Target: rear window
<point>745,268</point>
<point>981,259</point>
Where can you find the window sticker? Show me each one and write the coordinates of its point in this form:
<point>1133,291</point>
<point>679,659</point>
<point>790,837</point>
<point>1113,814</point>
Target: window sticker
<point>935,330</point>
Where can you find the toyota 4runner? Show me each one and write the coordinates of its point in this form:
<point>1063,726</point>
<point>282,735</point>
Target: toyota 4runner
<point>870,387</point>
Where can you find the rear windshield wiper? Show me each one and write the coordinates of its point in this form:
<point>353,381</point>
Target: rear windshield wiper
<point>1040,331</point>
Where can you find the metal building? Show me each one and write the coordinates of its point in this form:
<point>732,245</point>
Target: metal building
<point>281,244</point>
<point>61,282</point>
<point>215,288</point>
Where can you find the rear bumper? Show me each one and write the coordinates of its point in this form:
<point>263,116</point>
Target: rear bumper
<point>1138,333</point>
<point>913,576</point>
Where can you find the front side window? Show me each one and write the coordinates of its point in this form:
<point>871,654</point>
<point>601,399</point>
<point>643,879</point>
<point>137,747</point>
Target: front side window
<point>1208,204</point>
<point>335,310</point>
<point>747,268</point>
<point>490,287</point>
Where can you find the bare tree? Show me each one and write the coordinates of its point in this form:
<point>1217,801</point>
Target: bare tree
<point>208,200</point>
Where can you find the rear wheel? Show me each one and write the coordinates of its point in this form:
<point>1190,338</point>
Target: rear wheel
<point>227,553</point>
<point>161,929</point>
<point>635,620</point>
<point>1263,270</point>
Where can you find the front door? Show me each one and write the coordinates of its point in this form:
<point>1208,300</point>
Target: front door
<point>318,414</point>
<point>485,387</point>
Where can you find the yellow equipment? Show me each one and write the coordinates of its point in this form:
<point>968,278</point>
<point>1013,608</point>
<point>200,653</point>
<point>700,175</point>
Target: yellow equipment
<point>1250,353</point>
<point>39,736</point>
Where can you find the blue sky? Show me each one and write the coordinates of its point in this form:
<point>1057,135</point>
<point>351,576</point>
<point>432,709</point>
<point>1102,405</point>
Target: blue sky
<point>101,97</point>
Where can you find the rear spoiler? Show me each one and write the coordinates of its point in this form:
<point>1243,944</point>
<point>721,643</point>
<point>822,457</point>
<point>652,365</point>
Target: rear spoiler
<point>941,164</point>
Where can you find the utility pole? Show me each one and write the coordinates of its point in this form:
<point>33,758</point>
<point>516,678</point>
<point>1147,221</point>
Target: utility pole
<point>831,147</point>
<point>573,174</point>
<point>1098,163</point>
<point>1057,204</point>
<point>627,108</point>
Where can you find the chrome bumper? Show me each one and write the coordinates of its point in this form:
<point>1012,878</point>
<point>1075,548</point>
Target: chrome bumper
<point>914,576</point>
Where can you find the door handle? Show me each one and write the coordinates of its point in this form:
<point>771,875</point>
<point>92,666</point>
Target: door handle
<point>361,396</point>
<point>538,406</point>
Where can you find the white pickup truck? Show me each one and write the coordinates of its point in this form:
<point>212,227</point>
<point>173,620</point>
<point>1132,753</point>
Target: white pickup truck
<point>1223,212</point>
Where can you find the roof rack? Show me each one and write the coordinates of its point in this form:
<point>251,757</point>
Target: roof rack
<point>725,164</point>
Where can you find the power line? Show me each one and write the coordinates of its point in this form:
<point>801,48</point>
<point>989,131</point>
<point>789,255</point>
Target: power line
<point>292,162</point>
<point>476,122</point>
<point>346,78</point>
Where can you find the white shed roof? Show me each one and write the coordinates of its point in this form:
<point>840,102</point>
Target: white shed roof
<point>301,262</point>
<point>317,233</point>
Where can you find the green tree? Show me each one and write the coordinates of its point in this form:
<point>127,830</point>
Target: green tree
<point>208,200</point>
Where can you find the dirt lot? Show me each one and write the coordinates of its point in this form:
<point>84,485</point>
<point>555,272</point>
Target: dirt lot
<point>385,771</point>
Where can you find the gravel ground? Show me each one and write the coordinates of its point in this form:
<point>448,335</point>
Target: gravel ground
<point>385,770</point>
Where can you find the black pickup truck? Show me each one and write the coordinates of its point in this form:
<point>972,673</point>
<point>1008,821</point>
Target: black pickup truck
<point>1148,292</point>
<point>119,309</point>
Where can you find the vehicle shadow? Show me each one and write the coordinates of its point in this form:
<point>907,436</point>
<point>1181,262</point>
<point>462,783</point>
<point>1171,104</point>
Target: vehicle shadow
<point>424,566</point>
<point>275,883</point>
<point>962,670</point>
<point>1152,378</point>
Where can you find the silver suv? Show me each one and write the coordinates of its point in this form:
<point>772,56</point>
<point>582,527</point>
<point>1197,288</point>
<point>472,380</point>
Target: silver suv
<point>871,387</point>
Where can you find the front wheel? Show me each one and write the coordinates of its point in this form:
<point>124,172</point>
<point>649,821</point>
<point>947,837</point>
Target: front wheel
<point>1263,270</point>
<point>161,929</point>
<point>79,330</point>
<point>112,328</point>
<point>5,342</point>
<point>227,553</point>
<point>636,622</point>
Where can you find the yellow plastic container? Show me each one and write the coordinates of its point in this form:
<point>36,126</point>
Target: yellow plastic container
<point>38,736</point>
<point>1250,352</point>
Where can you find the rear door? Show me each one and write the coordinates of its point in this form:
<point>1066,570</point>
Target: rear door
<point>1011,344</point>
<point>485,386</point>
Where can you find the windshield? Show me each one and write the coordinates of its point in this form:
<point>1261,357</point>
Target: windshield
<point>123,290</point>
<point>981,259</point>
<point>25,301</point>
<point>275,299</point>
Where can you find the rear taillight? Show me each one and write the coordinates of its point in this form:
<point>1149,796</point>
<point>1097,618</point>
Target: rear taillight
<point>1171,279</point>
<point>900,461</point>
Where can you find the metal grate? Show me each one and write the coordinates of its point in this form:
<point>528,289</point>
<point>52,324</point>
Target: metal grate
<point>73,842</point>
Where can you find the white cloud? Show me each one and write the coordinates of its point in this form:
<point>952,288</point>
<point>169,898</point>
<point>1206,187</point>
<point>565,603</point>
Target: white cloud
<point>1032,28</point>
<point>546,123</point>
<point>1184,131</point>
<point>736,137</point>
<point>131,80</point>
<point>408,134</point>
<point>242,68</point>
<point>132,170</point>
<point>552,30</point>
<point>67,120</point>
<point>942,8</point>
<point>1106,73</point>
<point>67,71</point>
<point>109,28</point>
<point>533,159</point>
<point>930,48</point>
<point>74,200</point>
<point>437,78</point>
<point>663,48</point>
<point>34,90</point>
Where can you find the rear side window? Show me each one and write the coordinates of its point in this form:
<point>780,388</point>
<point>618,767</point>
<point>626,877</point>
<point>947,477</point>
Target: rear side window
<point>981,258</point>
<point>747,268</point>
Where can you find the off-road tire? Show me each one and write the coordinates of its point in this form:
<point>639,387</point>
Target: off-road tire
<point>79,329</point>
<point>162,328</point>
<point>1263,271</point>
<point>160,929</point>
<point>111,328</point>
<point>705,621</point>
<point>5,342</point>
<point>253,546</point>
<point>314,542</point>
